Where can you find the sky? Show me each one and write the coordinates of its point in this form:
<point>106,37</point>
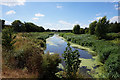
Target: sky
<point>59,15</point>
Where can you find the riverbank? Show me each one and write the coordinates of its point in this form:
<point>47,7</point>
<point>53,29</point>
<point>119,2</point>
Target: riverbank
<point>107,52</point>
<point>79,46</point>
<point>91,66</point>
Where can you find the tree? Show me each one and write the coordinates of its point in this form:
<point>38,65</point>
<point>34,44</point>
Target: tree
<point>18,26</point>
<point>92,27</point>
<point>31,27</point>
<point>114,27</point>
<point>101,28</point>
<point>72,61</point>
<point>86,30</point>
<point>76,29</point>
<point>2,24</point>
<point>8,38</point>
<point>82,31</point>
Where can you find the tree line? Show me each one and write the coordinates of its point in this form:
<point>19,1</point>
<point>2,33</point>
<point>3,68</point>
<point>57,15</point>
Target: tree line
<point>18,26</point>
<point>98,28</point>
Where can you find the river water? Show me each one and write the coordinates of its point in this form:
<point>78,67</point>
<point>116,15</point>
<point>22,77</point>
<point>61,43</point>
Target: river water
<point>56,44</point>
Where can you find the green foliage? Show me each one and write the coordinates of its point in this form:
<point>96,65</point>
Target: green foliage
<point>76,29</point>
<point>112,36</point>
<point>49,65</point>
<point>37,35</point>
<point>114,27</point>
<point>31,27</point>
<point>18,26</point>
<point>2,24</point>
<point>34,62</point>
<point>104,49</point>
<point>92,27</point>
<point>26,27</point>
<point>72,61</point>
<point>8,39</point>
<point>82,31</point>
<point>112,66</point>
<point>101,28</point>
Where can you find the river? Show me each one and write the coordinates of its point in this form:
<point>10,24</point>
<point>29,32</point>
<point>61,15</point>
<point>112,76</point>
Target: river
<point>56,44</point>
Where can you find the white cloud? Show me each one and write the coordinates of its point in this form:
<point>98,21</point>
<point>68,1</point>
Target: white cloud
<point>10,12</point>
<point>91,21</point>
<point>115,18</point>
<point>98,14</point>
<point>58,6</point>
<point>39,15</point>
<point>117,7</point>
<point>85,25</point>
<point>115,0</point>
<point>8,22</point>
<point>64,22</point>
<point>98,18</point>
<point>12,2</point>
<point>35,19</point>
<point>63,25</point>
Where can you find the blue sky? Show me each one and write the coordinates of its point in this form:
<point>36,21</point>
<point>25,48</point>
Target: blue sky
<point>59,15</point>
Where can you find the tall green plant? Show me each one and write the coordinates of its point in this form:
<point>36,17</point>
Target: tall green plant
<point>101,28</point>
<point>8,39</point>
<point>72,61</point>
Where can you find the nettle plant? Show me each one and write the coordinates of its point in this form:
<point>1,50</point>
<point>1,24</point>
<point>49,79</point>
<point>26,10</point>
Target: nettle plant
<point>72,61</point>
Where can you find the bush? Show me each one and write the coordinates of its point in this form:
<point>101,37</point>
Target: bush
<point>49,65</point>
<point>34,63</point>
<point>8,39</point>
<point>106,51</point>
<point>112,66</point>
<point>72,62</point>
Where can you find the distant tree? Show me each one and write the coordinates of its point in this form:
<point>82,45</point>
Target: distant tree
<point>86,30</point>
<point>76,29</point>
<point>18,26</point>
<point>2,24</point>
<point>82,31</point>
<point>101,28</point>
<point>41,29</point>
<point>92,27</point>
<point>48,30</point>
<point>31,27</point>
<point>114,27</point>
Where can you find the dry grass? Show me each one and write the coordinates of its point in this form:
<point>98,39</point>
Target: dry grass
<point>16,73</point>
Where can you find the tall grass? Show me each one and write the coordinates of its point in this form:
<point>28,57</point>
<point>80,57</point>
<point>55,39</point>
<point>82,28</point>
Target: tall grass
<point>105,49</point>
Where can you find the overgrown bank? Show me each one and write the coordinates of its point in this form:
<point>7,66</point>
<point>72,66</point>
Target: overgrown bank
<point>104,49</point>
<point>27,56</point>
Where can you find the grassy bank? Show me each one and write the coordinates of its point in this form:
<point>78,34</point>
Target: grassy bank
<point>28,57</point>
<point>104,50</point>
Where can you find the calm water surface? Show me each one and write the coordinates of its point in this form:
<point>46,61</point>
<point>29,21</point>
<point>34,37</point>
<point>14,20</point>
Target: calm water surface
<point>56,44</point>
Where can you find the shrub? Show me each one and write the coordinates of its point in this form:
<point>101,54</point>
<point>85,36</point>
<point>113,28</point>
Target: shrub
<point>34,63</point>
<point>112,66</point>
<point>8,39</point>
<point>106,51</point>
<point>49,65</point>
<point>72,61</point>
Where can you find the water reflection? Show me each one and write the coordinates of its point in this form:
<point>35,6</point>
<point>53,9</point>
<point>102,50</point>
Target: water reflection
<point>55,44</point>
